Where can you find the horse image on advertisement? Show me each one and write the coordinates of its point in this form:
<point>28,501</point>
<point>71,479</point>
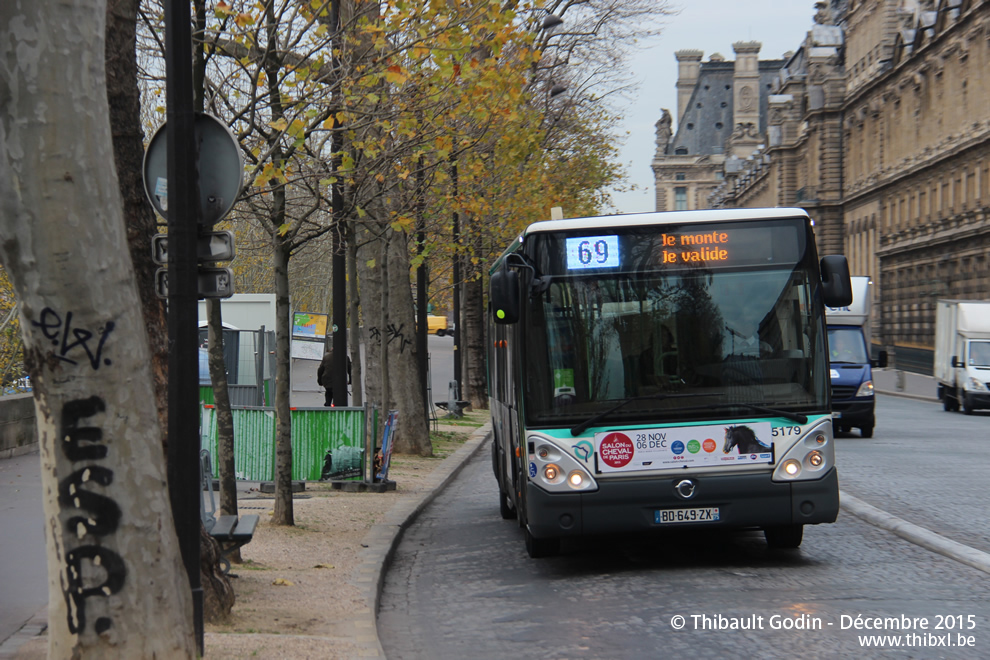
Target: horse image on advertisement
<point>743,439</point>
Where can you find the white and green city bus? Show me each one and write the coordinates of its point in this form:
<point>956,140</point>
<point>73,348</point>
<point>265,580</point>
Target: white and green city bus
<point>664,370</point>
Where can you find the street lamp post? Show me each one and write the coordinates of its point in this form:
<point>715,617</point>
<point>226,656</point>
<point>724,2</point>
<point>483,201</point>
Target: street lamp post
<point>457,280</point>
<point>551,21</point>
<point>546,28</point>
<point>338,261</point>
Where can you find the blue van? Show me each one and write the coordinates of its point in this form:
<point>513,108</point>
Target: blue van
<point>850,366</point>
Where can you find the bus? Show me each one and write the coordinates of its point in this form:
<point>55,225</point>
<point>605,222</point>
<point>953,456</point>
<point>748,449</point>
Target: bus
<point>662,371</point>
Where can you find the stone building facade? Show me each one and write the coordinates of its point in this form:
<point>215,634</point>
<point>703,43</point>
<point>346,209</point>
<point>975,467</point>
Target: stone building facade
<point>879,126</point>
<point>721,120</point>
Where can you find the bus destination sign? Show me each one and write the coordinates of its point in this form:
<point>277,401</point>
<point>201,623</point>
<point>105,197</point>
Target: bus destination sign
<point>695,248</point>
<point>685,247</point>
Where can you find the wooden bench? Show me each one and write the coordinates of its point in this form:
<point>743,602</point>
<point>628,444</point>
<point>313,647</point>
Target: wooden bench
<point>231,532</point>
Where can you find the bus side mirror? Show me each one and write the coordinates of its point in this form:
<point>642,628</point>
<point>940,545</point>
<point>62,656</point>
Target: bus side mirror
<point>881,360</point>
<point>836,285</point>
<point>504,296</point>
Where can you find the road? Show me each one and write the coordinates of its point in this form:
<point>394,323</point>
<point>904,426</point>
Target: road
<point>441,351</point>
<point>23,568</point>
<point>462,585</point>
<point>924,465</point>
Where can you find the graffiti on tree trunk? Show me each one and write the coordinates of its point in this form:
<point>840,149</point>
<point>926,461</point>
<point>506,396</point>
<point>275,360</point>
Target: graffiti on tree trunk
<point>90,562</point>
<point>393,333</point>
<point>67,339</point>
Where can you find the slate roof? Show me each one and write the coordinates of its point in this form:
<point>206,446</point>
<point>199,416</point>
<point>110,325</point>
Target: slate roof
<point>707,120</point>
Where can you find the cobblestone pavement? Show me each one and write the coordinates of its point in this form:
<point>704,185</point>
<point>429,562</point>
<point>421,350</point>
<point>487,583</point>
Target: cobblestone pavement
<point>461,585</point>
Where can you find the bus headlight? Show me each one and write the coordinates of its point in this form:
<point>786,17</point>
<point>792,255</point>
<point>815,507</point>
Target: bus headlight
<point>556,469</point>
<point>808,458</point>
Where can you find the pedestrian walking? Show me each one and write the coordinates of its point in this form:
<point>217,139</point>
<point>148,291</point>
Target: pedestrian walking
<point>324,375</point>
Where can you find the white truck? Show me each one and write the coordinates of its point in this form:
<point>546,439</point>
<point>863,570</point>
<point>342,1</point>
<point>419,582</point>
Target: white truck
<point>850,366</point>
<point>962,354</point>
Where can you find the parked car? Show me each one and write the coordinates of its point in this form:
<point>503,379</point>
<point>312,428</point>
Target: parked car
<point>20,386</point>
<point>437,324</point>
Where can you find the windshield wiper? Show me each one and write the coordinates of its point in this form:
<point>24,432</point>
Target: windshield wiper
<point>583,426</point>
<point>793,416</point>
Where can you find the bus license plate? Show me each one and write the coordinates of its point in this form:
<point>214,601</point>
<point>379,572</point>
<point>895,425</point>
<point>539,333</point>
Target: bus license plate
<point>709,514</point>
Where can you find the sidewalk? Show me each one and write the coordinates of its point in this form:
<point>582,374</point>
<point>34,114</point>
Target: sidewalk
<point>332,565</point>
<point>905,383</point>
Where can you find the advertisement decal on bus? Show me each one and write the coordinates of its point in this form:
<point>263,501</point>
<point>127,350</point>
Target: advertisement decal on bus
<point>678,447</point>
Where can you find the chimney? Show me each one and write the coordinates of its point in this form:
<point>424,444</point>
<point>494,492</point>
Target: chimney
<point>688,69</point>
<point>746,84</point>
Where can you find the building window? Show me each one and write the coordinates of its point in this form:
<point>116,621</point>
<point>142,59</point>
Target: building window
<point>680,199</point>
<point>680,151</point>
<point>679,176</point>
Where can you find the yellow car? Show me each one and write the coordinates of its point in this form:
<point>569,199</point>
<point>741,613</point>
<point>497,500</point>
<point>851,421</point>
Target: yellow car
<point>437,324</point>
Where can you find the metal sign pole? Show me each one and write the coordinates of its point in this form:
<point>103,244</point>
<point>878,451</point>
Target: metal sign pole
<point>183,222</point>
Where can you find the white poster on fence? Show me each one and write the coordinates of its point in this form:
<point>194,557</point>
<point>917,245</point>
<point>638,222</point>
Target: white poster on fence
<point>307,350</point>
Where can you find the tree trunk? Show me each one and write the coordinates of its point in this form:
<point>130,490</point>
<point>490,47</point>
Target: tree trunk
<point>473,310</point>
<point>283,514</point>
<point>128,154</point>
<point>413,435</point>
<point>225,418</point>
<point>218,593</point>
<point>117,586</point>
<point>383,324</point>
<point>369,251</point>
<point>353,317</point>
<point>392,383</point>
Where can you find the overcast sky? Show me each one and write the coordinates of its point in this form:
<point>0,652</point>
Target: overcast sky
<point>711,26</point>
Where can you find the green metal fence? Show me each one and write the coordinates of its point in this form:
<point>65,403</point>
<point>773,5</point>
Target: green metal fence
<point>315,431</point>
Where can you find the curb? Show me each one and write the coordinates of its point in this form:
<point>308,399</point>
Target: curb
<point>918,535</point>
<point>384,537</point>
<point>908,395</point>
<point>14,452</point>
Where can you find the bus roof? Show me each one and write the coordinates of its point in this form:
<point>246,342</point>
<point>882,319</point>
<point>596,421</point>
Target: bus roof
<point>640,219</point>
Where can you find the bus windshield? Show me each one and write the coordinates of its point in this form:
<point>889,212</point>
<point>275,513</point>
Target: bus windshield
<point>743,336</point>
